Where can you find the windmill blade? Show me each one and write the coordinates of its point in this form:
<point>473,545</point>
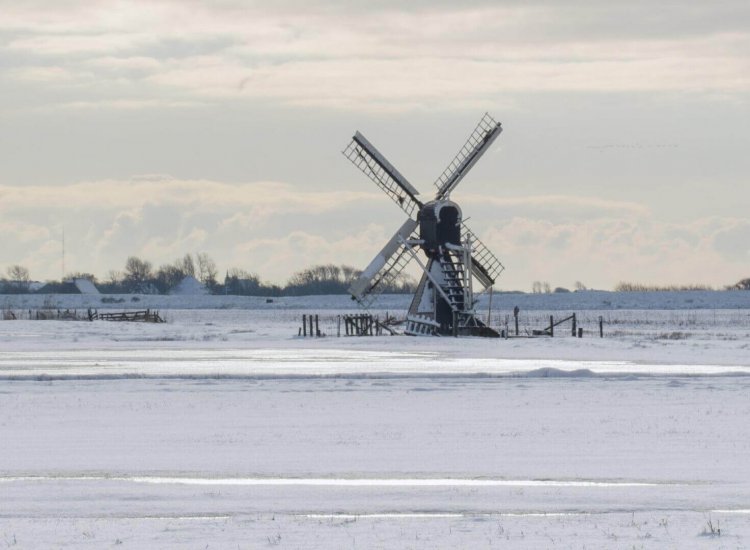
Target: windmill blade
<point>484,264</point>
<point>479,141</point>
<point>385,267</point>
<point>367,158</point>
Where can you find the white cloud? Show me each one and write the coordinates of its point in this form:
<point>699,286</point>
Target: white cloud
<point>376,59</point>
<point>276,229</point>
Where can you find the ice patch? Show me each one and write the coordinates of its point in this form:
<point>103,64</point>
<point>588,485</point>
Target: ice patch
<point>344,482</point>
<point>551,372</point>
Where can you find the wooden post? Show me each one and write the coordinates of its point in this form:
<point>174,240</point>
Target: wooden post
<point>489,309</point>
<point>574,325</point>
<point>370,322</point>
<point>601,326</point>
<point>515,314</point>
<point>455,324</point>
<point>317,328</point>
<point>310,320</point>
<point>580,332</point>
<point>304,325</point>
<point>338,327</point>
<point>551,326</point>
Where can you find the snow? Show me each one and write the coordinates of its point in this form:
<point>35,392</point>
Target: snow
<point>591,300</point>
<point>85,286</point>
<point>223,428</point>
<point>189,286</point>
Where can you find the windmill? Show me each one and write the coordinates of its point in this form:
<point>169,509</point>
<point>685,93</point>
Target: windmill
<point>444,302</point>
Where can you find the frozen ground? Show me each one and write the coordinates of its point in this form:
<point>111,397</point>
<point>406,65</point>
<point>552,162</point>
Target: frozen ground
<point>223,429</point>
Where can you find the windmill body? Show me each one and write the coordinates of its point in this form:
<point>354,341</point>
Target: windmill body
<point>451,258</point>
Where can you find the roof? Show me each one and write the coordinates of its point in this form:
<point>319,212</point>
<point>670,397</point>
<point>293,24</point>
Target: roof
<point>190,286</point>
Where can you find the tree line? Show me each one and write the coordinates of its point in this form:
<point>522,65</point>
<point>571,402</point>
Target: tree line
<point>139,276</point>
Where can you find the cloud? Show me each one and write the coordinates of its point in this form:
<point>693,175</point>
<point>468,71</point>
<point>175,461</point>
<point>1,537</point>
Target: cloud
<point>603,251</point>
<point>556,208</point>
<point>377,56</point>
<point>276,229</point>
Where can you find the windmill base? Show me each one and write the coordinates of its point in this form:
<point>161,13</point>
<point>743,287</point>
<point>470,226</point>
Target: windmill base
<point>421,325</point>
<point>482,331</point>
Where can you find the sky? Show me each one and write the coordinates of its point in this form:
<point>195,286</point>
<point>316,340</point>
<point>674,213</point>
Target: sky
<point>159,128</point>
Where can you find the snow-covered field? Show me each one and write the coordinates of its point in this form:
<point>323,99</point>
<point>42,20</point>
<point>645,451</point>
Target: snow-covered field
<point>223,429</point>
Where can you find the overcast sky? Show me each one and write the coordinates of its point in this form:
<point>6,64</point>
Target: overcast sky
<point>158,128</point>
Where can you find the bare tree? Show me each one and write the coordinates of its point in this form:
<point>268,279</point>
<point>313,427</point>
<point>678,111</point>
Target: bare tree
<point>241,274</point>
<point>186,265</point>
<point>547,288</point>
<point>18,274</point>
<point>536,287</point>
<point>207,271</point>
<point>137,271</point>
<point>579,286</point>
<point>349,273</point>
<point>114,277</point>
<point>81,275</point>
<point>167,277</point>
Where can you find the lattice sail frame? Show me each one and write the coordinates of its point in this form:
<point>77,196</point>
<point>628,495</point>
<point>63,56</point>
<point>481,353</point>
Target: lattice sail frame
<point>387,276</point>
<point>485,266</point>
<point>367,158</point>
<point>479,141</point>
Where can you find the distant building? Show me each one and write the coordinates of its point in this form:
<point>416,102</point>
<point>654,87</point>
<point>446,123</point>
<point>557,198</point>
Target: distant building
<point>190,286</point>
<point>70,286</point>
<point>85,286</point>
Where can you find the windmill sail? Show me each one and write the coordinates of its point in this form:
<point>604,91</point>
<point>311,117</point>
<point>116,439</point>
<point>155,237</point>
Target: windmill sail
<point>479,141</point>
<point>367,158</point>
<point>484,264</point>
<point>385,267</point>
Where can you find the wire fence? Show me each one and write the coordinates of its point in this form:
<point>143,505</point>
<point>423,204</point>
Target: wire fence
<point>653,324</point>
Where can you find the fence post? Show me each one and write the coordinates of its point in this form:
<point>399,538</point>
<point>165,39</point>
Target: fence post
<point>574,325</point>
<point>580,332</point>
<point>317,327</point>
<point>551,326</point>
<point>601,326</point>
<point>310,320</point>
<point>515,314</point>
<point>338,327</point>
<point>304,325</point>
